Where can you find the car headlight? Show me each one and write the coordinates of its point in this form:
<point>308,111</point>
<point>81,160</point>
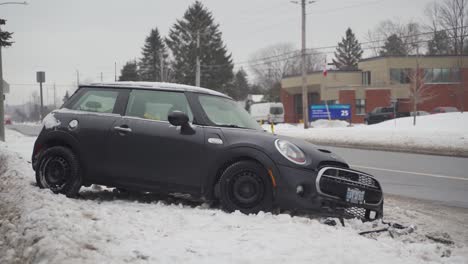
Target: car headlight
<point>290,151</point>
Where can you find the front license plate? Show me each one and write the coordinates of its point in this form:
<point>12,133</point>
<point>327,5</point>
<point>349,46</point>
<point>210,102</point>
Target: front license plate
<point>355,196</point>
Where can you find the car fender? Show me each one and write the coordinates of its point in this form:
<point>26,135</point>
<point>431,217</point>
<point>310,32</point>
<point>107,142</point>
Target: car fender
<point>56,137</point>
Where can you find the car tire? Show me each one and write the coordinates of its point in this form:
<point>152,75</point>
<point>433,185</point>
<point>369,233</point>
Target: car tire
<point>245,186</point>
<point>59,171</point>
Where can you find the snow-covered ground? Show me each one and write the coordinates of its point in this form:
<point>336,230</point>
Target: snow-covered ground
<point>440,133</point>
<point>37,226</point>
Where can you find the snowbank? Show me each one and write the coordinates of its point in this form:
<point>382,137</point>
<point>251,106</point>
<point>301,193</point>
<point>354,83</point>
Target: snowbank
<point>37,226</point>
<point>445,134</point>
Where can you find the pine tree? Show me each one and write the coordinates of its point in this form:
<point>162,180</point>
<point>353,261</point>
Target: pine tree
<point>66,97</point>
<point>152,53</point>
<point>5,36</point>
<point>348,53</point>
<point>216,63</point>
<point>439,44</point>
<point>129,72</point>
<point>394,46</point>
<point>240,88</point>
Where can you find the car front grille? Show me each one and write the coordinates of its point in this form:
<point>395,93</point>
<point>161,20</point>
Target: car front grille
<point>335,182</point>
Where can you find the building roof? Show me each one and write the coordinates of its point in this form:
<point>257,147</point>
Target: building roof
<point>412,56</point>
<point>156,86</point>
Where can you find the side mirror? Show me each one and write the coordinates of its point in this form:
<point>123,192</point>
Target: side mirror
<point>178,118</point>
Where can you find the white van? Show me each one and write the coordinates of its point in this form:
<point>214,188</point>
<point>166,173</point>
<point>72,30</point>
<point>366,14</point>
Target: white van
<point>268,112</point>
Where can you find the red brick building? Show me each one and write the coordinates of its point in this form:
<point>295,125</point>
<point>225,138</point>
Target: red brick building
<point>381,81</point>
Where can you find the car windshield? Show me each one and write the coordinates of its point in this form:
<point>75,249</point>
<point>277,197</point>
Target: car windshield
<point>226,113</point>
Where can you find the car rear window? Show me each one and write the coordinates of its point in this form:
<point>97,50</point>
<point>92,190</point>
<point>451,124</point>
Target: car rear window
<point>99,101</point>
<point>276,110</point>
<point>156,105</point>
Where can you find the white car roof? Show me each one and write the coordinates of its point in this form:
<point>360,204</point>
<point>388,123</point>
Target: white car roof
<point>156,86</point>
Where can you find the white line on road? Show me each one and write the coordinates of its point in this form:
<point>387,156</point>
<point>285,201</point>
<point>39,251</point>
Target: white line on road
<point>415,173</point>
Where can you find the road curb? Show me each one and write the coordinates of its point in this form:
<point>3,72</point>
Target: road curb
<point>461,153</point>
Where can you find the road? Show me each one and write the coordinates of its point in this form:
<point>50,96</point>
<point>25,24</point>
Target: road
<point>28,130</point>
<point>438,178</point>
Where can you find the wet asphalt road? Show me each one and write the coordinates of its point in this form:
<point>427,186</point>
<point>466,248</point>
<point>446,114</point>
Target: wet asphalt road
<point>438,178</point>
<point>28,130</point>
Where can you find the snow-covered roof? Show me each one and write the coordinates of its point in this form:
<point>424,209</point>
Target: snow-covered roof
<point>158,86</point>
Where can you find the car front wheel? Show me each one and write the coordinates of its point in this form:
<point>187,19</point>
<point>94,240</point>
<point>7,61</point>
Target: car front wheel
<point>59,171</point>
<point>245,186</point>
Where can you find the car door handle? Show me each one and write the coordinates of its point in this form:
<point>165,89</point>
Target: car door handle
<point>123,129</point>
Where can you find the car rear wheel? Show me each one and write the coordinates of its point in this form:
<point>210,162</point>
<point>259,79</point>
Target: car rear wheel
<point>59,171</point>
<point>245,186</point>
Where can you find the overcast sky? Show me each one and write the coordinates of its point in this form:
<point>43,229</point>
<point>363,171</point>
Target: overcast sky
<point>63,36</point>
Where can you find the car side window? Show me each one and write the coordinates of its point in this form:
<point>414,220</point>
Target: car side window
<point>100,101</point>
<point>156,105</point>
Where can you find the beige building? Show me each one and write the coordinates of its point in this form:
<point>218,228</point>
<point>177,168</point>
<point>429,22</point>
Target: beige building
<point>378,81</point>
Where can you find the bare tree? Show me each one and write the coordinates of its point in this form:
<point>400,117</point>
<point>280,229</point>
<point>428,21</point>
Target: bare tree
<point>419,90</point>
<point>269,65</point>
<point>409,33</point>
<point>450,16</point>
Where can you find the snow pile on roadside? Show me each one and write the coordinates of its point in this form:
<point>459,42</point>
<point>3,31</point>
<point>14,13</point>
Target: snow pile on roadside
<point>441,133</point>
<point>37,226</point>
<point>323,123</point>
<point>19,143</point>
<point>442,122</point>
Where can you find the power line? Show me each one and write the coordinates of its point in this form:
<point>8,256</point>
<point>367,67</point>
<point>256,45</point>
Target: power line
<point>266,60</point>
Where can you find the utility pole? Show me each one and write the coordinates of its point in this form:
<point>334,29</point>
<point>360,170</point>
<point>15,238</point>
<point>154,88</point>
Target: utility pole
<point>101,77</point>
<point>305,104</point>
<point>161,66</point>
<point>77,79</point>
<point>2,96</point>
<point>197,77</point>
<point>55,96</point>
<point>115,71</point>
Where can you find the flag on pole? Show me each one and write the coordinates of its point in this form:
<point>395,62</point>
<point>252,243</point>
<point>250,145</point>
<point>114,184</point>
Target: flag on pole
<point>325,68</point>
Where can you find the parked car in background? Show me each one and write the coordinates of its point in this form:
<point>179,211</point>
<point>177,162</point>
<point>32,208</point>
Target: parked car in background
<point>8,120</point>
<point>380,114</point>
<point>168,138</point>
<point>444,109</point>
<point>420,113</point>
<point>267,112</point>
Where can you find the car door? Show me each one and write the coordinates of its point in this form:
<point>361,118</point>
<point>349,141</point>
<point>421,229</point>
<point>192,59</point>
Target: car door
<point>94,111</point>
<point>148,152</point>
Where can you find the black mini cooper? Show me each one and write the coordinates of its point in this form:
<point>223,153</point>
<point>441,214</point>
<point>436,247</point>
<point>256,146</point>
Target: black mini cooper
<point>167,138</point>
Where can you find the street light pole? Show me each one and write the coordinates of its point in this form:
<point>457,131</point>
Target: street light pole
<point>14,3</point>
<point>2,96</point>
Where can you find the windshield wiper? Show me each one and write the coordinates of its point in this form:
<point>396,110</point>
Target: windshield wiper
<point>232,125</point>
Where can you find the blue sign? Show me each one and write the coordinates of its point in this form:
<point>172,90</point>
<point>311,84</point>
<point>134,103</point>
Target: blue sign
<point>337,111</point>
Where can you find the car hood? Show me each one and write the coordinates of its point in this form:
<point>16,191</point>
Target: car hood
<point>265,142</point>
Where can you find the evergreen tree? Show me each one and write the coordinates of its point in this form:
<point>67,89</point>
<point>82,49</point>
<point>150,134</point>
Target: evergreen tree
<point>129,72</point>
<point>394,46</point>
<point>216,63</point>
<point>240,88</point>
<point>348,53</point>
<point>5,36</point>
<point>66,97</point>
<point>439,44</point>
<point>152,53</point>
